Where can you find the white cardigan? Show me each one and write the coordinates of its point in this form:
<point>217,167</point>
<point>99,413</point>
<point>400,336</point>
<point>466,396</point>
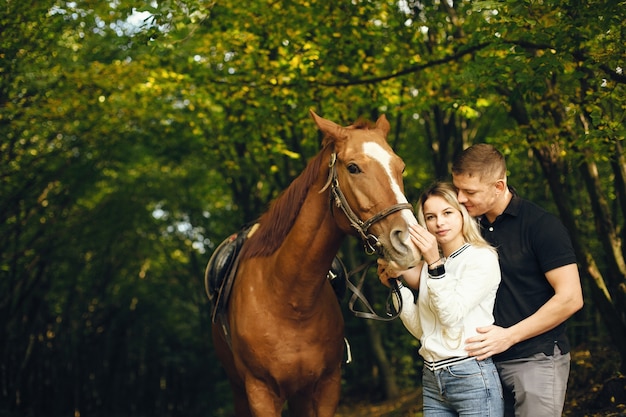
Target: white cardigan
<point>450,307</point>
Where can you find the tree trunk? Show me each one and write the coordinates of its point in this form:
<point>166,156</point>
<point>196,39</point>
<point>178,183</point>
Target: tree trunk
<point>388,378</point>
<point>609,299</point>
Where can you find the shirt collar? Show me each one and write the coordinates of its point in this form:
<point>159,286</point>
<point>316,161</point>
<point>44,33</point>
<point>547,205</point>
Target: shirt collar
<point>459,250</point>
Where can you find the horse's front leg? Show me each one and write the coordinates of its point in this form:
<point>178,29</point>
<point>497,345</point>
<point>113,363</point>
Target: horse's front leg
<point>321,401</point>
<point>240,398</point>
<point>263,401</point>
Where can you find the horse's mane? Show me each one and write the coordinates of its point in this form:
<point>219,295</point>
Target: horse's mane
<point>361,124</point>
<point>276,222</point>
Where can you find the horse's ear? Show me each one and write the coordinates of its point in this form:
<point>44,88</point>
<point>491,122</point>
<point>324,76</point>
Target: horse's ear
<point>383,124</point>
<point>329,128</point>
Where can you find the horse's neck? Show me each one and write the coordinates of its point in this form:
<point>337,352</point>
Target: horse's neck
<point>306,254</point>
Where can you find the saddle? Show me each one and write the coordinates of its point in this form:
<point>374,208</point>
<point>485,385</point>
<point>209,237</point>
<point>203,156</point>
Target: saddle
<point>221,269</point>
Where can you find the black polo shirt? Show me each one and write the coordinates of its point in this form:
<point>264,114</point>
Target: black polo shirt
<point>530,242</point>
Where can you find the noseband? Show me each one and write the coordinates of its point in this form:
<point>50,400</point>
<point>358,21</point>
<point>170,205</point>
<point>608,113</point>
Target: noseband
<point>370,242</point>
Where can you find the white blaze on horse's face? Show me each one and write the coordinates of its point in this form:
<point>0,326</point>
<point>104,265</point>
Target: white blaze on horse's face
<point>380,154</point>
<point>404,254</point>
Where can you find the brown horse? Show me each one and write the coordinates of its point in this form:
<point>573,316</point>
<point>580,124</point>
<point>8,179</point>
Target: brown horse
<point>286,333</point>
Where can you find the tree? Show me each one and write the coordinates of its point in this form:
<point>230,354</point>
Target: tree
<point>134,141</point>
<point>96,213</point>
<point>564,95</point>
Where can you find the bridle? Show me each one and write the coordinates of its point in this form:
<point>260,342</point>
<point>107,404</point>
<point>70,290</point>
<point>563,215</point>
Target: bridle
<point>370,242</point>
<point>371,245</point>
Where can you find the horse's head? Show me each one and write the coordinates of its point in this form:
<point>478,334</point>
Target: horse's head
<point>365,178</point>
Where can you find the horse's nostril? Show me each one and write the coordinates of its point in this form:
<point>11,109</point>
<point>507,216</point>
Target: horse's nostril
<point>400,239</point>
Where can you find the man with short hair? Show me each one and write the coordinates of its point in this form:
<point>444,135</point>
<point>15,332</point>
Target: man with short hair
<point>539,291</point>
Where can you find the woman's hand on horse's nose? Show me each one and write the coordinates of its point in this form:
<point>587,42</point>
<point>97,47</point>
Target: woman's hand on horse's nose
<point>382,271</point>
<point>382,264</point>
<point>385,272</point>
<point>384,279</point>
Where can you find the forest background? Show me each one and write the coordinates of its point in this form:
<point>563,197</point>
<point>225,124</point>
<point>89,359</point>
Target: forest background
<point>136,136</point>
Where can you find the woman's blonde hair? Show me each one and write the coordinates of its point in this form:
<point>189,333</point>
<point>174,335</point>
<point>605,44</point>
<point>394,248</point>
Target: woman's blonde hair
<point>445,190</point>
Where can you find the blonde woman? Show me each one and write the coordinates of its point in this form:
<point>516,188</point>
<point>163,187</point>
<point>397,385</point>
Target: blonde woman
<point>457,283</point>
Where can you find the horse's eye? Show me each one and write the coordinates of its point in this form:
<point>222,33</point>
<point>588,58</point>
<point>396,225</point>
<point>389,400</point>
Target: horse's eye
<point>353,168</point>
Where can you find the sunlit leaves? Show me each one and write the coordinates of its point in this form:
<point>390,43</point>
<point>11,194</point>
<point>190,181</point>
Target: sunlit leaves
<point>136,136</point>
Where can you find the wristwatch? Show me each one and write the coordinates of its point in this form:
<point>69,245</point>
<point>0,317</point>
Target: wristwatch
<point>438,272</point>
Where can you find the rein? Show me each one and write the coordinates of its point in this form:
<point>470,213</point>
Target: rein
<point>371,245</point>
<point>357,295</point>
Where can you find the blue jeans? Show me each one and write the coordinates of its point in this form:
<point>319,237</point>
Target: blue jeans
<point>470,388</point>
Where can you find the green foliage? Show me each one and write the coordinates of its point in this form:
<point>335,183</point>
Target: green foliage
<point>135,138</point>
